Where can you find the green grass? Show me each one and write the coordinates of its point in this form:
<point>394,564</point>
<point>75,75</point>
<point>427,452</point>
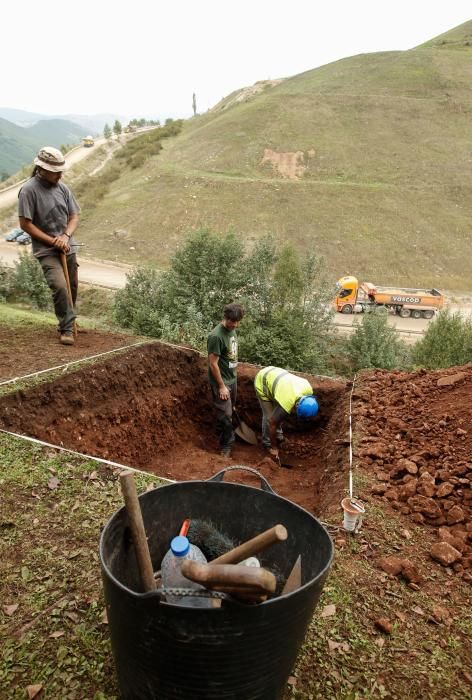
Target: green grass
<point>49,538</point>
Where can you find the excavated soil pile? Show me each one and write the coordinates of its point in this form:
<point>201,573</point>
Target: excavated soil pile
<point>150,408</point>
<point>416,438</point>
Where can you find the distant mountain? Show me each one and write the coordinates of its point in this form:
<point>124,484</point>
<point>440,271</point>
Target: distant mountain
<point>92,123</point>
<point>18,144</point>
<point>20,117</point>
<point>17,147</point>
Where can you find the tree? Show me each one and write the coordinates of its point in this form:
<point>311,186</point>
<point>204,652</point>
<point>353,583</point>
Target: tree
<point>117,128</point>
<point>375,344</point>
<point>447,342</point>
<point>194,104</point>
<point>107,131</point>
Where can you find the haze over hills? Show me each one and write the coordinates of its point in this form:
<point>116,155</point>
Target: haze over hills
<point>91,122</point>
<point>366,160</point>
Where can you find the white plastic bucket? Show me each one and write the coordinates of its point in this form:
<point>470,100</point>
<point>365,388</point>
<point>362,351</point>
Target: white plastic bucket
<point>353,510</point>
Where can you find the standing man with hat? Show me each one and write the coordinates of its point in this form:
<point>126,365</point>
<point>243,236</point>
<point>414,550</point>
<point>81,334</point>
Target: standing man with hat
<point>48,211</point>
<point>280,394</point>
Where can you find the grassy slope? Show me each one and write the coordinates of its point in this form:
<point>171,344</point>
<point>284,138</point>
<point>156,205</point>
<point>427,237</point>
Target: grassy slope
<point>386,194</point>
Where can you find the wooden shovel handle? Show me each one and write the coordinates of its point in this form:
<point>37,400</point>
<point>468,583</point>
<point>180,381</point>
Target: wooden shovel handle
<point>227,577</point>
<point>135,517</point>
<point>65,270</point>
<point>257,544</point>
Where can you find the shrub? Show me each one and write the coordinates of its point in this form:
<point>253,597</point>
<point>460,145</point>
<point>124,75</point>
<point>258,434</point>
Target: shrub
<point>447,342</point>
<point>282,326</point>
<point>29,283</point>
<point>375,344</point>
<point>134,305</point>
<point>6,282</point>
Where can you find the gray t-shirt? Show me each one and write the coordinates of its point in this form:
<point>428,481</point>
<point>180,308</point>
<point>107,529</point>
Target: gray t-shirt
<point>49,207</point>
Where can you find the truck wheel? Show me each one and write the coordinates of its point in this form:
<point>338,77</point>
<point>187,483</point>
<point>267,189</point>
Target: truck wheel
<point>416,313</point>
<point>428,314</point>
<point>347,309</point>
<point>404,313</point>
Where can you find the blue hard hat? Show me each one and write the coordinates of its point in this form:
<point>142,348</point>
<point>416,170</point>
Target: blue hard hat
<point>307,407</point>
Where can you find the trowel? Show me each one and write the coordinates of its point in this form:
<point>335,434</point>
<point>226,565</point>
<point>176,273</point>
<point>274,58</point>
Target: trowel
<point>285,462</point>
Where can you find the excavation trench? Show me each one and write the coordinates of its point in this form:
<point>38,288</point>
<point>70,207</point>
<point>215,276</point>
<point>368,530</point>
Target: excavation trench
<point>150,408</point>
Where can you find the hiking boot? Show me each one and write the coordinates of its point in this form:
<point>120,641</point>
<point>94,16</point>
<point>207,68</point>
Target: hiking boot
<point>225,452</point>
<point>67,339</point>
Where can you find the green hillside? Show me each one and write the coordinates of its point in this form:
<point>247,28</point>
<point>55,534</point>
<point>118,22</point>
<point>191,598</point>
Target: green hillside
<point>18,144</point>
<point>16,147</point>
<point>367,160</point>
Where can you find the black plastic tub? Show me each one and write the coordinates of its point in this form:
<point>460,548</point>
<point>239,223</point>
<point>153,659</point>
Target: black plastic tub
<point>242,652</point>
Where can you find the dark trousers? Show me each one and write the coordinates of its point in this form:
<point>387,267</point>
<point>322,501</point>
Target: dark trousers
<point>54,274</point>
<point>224,414</point>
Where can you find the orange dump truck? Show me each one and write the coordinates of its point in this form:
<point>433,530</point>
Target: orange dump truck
<point>353,296</point>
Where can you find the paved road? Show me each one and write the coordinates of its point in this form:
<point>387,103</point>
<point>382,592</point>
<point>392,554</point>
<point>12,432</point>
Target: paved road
<point>10,195</point>
<point>113,276</point>
<point>94,272</point>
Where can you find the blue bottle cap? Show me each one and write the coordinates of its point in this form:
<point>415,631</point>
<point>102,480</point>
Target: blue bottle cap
<point>180,546</point>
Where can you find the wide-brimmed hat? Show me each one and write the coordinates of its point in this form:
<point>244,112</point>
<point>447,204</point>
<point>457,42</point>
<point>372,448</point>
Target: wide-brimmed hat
<point>51,159</point>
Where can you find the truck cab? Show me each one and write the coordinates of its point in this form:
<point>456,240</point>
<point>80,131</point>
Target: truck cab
<point>347,289</point>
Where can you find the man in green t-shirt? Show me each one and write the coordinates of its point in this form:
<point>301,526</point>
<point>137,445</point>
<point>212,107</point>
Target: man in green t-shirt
<point>222,346</point>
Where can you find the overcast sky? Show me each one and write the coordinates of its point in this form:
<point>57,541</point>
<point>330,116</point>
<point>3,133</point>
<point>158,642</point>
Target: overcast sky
<point>88,57</point>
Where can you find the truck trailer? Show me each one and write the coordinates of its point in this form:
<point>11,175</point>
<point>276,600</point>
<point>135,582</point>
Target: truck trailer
<point>353,296</point>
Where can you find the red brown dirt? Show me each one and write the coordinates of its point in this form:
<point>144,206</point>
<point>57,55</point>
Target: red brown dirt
<point>150,408</point>
<point>32,349</point>
<point>416,441</point>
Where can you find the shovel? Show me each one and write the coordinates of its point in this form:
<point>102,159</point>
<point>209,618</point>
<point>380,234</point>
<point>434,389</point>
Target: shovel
<point>243,431</point>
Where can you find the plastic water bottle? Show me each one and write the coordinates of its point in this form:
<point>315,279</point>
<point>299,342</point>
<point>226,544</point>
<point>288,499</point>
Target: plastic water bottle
<point>172,577</point>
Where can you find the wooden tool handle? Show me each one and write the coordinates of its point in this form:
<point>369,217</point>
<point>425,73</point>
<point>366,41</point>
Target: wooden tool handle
<point>257,544</point>
<point>227,577</point>
<point>65,269</point>
<point>135,517</point>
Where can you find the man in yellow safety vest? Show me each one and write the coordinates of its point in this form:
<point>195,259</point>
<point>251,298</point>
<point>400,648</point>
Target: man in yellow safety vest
<point>280,394</point>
